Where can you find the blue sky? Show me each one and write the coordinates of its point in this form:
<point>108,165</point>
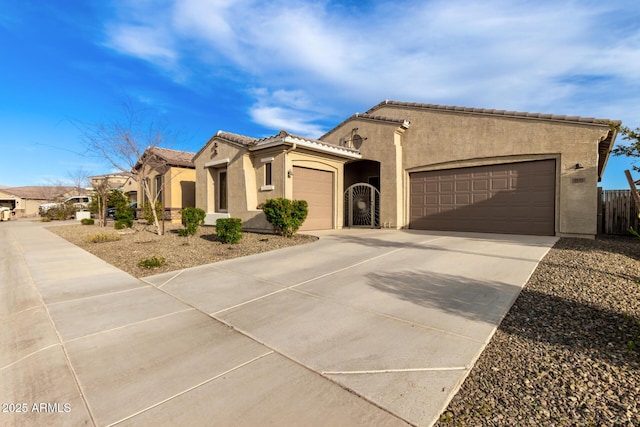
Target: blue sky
<point>254,68</point>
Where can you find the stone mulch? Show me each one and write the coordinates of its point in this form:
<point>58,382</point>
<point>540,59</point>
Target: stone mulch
<point>142,242</point>
<point>568,351</point>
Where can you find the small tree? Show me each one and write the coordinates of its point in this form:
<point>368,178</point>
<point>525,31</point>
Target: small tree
<point>127,143</point>
<point>633,148</point>
<point>286,215</point>
<point>102,188</point>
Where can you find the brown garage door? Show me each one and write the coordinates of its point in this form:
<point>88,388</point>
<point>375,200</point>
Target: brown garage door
<point>316,187</point>
<point>517,198</point>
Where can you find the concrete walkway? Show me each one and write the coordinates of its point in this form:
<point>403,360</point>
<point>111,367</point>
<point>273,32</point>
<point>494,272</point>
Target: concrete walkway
<point>364,327</point>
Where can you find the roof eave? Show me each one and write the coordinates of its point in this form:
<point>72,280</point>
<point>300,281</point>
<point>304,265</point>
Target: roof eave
<point>604,148</point>
<point>289,140</point>
<point>401,123</point>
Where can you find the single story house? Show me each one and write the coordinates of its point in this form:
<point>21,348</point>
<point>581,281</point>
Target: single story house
<point>172,178</point>
<point>419,166</point>
<point>24,201</point>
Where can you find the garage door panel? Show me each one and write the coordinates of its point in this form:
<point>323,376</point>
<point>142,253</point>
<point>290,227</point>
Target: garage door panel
<point>498,184</point>
<point>316,187</point>
<point>507,198</point>
<point>446,186</point>
<point>480,185</point>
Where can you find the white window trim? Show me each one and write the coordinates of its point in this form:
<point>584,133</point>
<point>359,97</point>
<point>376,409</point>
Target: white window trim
<point>266,187</point>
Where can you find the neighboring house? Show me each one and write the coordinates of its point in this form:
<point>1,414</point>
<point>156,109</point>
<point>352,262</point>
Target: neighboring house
<point>419,166</point>
<point>124,182</point>
<point>24,201</point>
<point>172,177</point>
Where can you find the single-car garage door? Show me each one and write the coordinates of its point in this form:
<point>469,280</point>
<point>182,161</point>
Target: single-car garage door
<point>516,198</point>
<point>316,187</point>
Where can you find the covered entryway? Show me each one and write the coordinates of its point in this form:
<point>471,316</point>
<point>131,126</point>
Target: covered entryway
<point>514,198</point>
<point>362,206</point>
<point>316,187</point>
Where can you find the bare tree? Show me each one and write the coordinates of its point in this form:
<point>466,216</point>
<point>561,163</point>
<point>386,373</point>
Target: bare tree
<point>52,192</point>
<point>79,179</point>
<point>102,187</point>
<point>127,143</point>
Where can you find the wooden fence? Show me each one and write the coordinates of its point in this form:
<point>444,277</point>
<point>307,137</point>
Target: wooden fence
<point>617,212</point>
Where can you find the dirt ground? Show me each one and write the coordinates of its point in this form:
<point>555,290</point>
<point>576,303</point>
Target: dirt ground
<point>141,242</point>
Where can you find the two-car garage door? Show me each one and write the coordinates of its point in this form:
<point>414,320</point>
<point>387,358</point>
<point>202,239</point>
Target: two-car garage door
<point>516,198</point>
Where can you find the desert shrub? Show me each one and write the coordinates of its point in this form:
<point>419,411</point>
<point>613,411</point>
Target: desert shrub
<point>286,215</point>
<point>152,262</point>
<point>103,237</point>
<point>123,223</point>
<point>229,230</point>
<point>45,219</point>
<point>87,221</point>
<point>60,212</point>
<point>192,218</point>
<point>147,213</point>
<point>119,201</point>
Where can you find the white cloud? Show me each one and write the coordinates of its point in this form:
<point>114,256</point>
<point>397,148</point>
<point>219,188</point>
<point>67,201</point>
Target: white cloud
<point>143,42</point>
<point>502,54</point>
<point>291,111</point>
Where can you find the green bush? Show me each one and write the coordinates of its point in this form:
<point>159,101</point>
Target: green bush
<point>147,213</point>
<point>87,221</point>
<point>123,223</point>
<point>103,237</point>
<point>152,262</point>
<point>192,218</point>
<point>120,202</point>
<point>45,219</point>
<point>229,230</point>
<point>286,215</point>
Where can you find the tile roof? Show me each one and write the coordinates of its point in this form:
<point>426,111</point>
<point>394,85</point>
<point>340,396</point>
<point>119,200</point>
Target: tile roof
<point>39,192</point>
<point>484,111</point>
<point>282,137</point>
<point>234,137</point>
<point>370,117</point>
<point>174,157</point>
<point>314,144</point>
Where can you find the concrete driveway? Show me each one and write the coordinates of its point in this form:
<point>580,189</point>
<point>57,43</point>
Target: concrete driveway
<point>363,327</point>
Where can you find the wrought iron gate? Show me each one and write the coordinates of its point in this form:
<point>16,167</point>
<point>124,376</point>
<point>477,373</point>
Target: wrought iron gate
<point>362,206</point>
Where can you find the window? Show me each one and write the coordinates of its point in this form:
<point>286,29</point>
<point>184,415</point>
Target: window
<point>222,191</point>
<point>158,183</point>
<point>268,174</point>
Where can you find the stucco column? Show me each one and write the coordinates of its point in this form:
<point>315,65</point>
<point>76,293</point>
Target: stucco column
<point>398,220</point>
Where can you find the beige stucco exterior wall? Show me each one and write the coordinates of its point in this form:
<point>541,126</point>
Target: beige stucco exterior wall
<point>319,161</point>
<point>444,140</point>
<point>384,145</point>
<point>23,207</point>
<point>178,189</point>
<point>130,188</point>
<point>243,181</point>
<point>246,179</point>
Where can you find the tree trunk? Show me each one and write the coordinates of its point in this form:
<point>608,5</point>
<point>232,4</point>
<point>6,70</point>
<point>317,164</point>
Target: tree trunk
<point>152,201</point>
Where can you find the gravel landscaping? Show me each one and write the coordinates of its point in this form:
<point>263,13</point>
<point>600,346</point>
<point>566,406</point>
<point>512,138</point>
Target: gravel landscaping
<point>568,351</point>
<point>141,242</point>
